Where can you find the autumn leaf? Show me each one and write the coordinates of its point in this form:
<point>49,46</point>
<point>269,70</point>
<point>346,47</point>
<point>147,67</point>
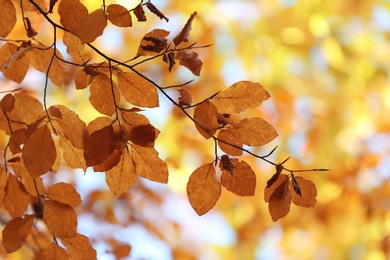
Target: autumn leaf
<point>139,13</point>
<point>227,137</point>
<point>270,190</point>
<point>242,182</point>
<point>143,135</point>
<point>13,62</point>
<point>157,12</point>
<point>205,115</point>
<point>91,26</point>
<point>280,201</point>
<point>243,95</point>
<point>190,60</point>
<point>185,98</point>
<point>39,152</point>
<point>73,156</point>
<point>185,32</point>
<point>54,251</point>
<point>7,103</point>
<point>121,177</point>
<point>7,17</point>
<point>274,178</point>
<point>30,30</point>
<point>16,231</point>
<point>137,90</point>
<point>102,90</point>
<point>203,189</point>
<point>99,145</point>
<point>82,79</point>
<point>111,161</point>
<point>119,15</point>
<point>60,219</point>
<point>16,199</point>
<point>227,164</point>
<point>72,13</point>
<point>74,47</point>
<point>64,193</point>
<point>31,185</point>
<point>3,184</point>
<point>153,42</point>
<point>79,247</point>
<point>308,192</point>
<point>148,164</point>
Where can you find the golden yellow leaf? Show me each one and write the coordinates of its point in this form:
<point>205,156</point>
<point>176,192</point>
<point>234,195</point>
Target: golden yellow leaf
<point>190,60</point>
<point>71,13</point>
<point>102,91</point>
<point>79,247</point>
<point>92,26</point>
<point>231,137</point>
<point>280,201</point>
<point>16,199</point>
<point>153,42</point>
<point>60,219</point>
<point>203,189</point>
<point>64,193</point>
<point>119,15</point>
<point>309,193</point>
<point>39,152</point>
<point>148,164</point>
<point>121,177</point>
<point>53,251</point>
<point>73,156</point>
<point>137,90</point>
<point>15,232</point>
<point>243,180</point>
<point>243,95</point>
<point>7,17</point>
<point>13,62</point>
<point>99,145</point>
<point>74,47</point>
<point>205,115</point>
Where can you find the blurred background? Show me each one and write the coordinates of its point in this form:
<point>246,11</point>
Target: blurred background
<point>326,66</point>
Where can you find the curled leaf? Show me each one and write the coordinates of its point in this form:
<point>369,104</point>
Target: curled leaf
<point>295,185</point>
<point>190,60</point>
<point>140,13</point>
<point>157,12</point>
<point>185,32</point>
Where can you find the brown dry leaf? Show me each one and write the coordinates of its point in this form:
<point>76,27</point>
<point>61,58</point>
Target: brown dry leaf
<point>41,59</point>
<point>82,80</point>
<point>64,193</point>
<point>153,42</point>
<point>185,32</point>
<point>143,135</point>
<point>73,156</point>
<point>15,232</point>
<point>16,199</point>
<point>280,201</point>
<point>270,190</point>
<point>148,164</point>
<point>39,152</point>
<point>205,115</point>
<point>137,90</point>
<point>60,219</point>
<point>170,59</point>
<point>243,95</point>
<point>111,161</point>
<point>7,103</point>
<point>139,13</point>
<point>92,26</point>
<point>70,125</point>
<point>275,177</point>
<point>101,94</point>
<point>157,12</point>
<point>79,247</point>
<point>230,137</point>
<point>30,30</point>
<point>242,182</point>
<point>119,15</point>
<point>309,193</point>
<point>7,17</point>
<point>120,178</point>
<point>99,145</point>
<point>13,63</point>
<point>203,189</point>
<point>51,6</point>
<point>71,13</point>
<point>74,47</point>
<point>53,251</point>
<point>185,98</point>
<point>190,60</point>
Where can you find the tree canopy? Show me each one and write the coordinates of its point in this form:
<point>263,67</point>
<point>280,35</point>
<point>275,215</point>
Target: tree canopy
<point>122,122</point>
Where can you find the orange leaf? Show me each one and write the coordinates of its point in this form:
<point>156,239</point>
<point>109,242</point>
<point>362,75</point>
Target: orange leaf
<point>143,135</point>
<point>53,251</point>
<point>203,189</point>
<point>119,15</point>
<point>309,193</point>
<point>71,13</point>
<point>27,109</point>
<point>243,95</point>
<point>101,94</point>
<point>99,145</point>
<point>270,190</point>
<point>243,180</point>
<point>205,115</point>
<point>60,219</point>
<point>73,156</point>
<point>7,17</point>
<point>137,90</point>
<point>16,199</point>
<point>16,231</point>
<point>122,176</point>
<point>148,164</point>
<point>230,137</point>
<point>185,98</point>
<point>13,62</point>
<point>7,103</point>
<point>185,32</point>
<point>3,184</point>
<point>79,247</point>
<point>190,60</point>
<point>64,193</point>
<point>74,47</point>
<point>82,80</point>
<point>31,185</point>
<point>92,26</point>
<point>280,201</point>
<point>39,152</point>
<point>111,161</point>
<point>153,42</point>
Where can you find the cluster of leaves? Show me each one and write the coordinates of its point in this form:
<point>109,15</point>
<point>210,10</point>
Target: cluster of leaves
<point>121,142</point>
